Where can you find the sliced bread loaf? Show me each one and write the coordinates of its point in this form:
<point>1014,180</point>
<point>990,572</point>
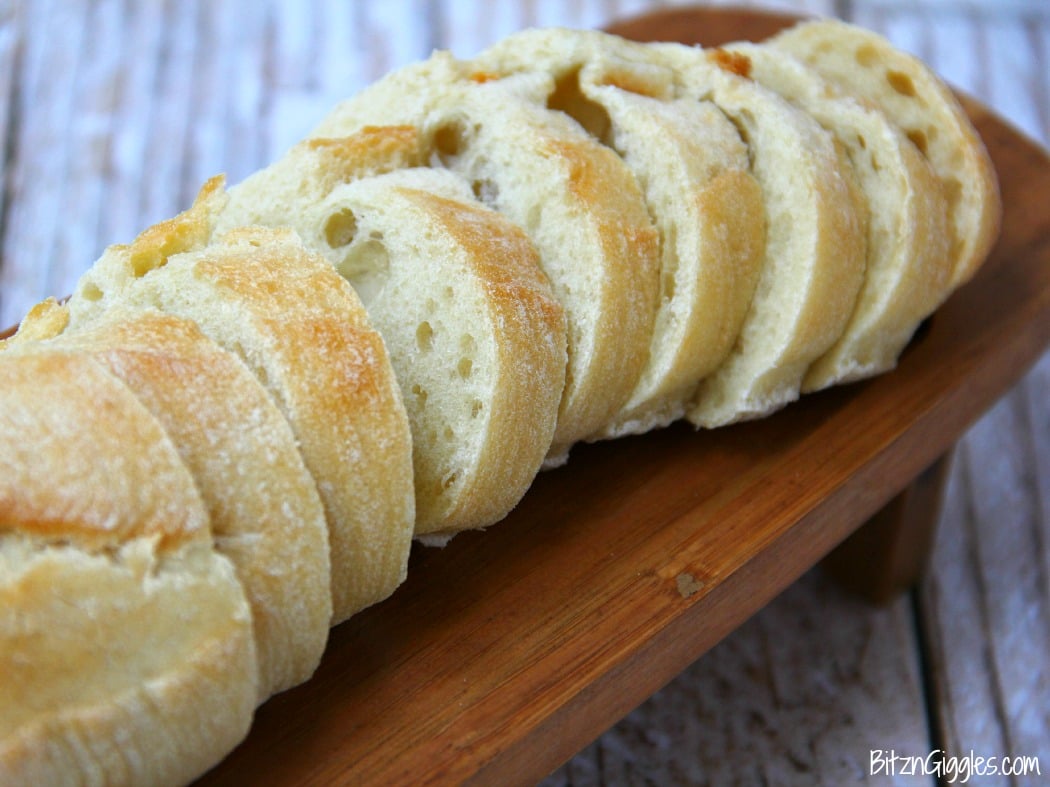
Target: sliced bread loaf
<point>908,269</point>
<point>815,237</point>
<point>303,332</point>
<point>126,643</point>
<point>574,198</point>
<point>693,169</point>
<point>865,64</point>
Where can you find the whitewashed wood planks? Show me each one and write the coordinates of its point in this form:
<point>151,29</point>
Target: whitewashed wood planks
<point>113,112</point>
<point>986,603</point>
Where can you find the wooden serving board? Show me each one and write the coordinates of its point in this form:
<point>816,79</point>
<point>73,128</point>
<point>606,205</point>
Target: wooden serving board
<point>511,649</point>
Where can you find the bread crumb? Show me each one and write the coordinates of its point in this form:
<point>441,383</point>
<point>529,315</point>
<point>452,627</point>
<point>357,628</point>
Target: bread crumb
<point>687,584</point>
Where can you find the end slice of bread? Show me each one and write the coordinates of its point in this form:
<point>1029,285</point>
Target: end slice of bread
<point>866,65</point>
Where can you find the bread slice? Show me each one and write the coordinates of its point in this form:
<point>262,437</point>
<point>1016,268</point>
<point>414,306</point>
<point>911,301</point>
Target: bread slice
<point>866,65</point>
<point>574,198</point>
<point>815,235</point>
<point>693,169</point>
<point>303,332</point>
<point>265,512</point>
<point>908,269</point>
<point>476,337</point>
<point>126,645</point>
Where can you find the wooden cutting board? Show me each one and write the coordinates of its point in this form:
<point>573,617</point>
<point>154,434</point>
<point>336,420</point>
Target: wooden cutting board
<point>511,649</point>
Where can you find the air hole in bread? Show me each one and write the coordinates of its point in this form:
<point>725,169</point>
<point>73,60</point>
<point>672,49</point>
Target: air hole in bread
<point>340,228</point>
<point>476,406</point>
<point>424,337</point>
<point>953,190</point>
<point>918,139</point>
<point>366,266</point>
<point>568,98</point>
<point>901,82</point>
<point>420,393</point>
<point>485,191</point>
<point>866,55</point>
<point>465,368</point>
<point>90,292</point>
<point>862,142</point>
<point>449,480</point>
<point>450,140</point>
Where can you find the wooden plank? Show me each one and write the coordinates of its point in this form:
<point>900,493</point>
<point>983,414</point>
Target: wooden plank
<point>163,190</point>
<point>80,199</point>
<point>127,164</point>
<point>800,694</point>
<point>53,42</point>
<point>11,27</point>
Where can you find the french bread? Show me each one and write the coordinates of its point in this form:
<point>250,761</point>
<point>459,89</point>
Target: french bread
<point>574,198</point>
<point>265,512</point>
<point>865,64</point>
<point>476,337</point>
<point>907,271</point>
<point>126,644</point>
<point>815,236</point>
<point>692,166</point>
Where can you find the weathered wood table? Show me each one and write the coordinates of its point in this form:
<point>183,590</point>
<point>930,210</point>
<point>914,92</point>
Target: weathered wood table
<point>509,651</point>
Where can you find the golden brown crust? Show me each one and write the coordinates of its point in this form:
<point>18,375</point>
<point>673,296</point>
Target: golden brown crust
<point>43,321</point>
<point>104,545</point>
<point>733,62</point>
<point>371,150</point>
<point>627,289</point>
<point>95,477</point>
<point>107,679</point>
<point>265,512</point>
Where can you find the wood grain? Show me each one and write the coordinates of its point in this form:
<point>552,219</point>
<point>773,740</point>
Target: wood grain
<point>889,554</point>
<point>798,695</point>
<point>509,650</point>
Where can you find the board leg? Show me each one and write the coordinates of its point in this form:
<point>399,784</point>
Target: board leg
<point>889,552</point>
